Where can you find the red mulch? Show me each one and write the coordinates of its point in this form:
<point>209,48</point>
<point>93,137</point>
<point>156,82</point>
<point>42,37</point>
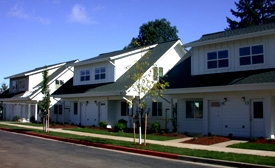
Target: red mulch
<point>207,140</point>
<point>264,141</point>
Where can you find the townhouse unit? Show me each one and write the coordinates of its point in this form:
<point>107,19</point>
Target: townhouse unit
<point>24,93</point>
<point>101,88</point>
<point>225,85</point>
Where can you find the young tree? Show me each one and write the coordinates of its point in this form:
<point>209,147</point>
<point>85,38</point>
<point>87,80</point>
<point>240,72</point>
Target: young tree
<point>252,12</point>
<point>154,32</point>
<point>45,103</point>
<point>142,73</point>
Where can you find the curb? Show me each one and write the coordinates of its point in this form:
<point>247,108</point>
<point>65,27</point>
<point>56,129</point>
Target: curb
<point>142,151</point>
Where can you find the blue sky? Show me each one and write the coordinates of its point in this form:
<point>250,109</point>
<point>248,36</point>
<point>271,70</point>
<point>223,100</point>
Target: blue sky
<point>35,33</point>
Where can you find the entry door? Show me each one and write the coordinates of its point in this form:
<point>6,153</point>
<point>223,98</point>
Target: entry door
<point>257,118</point>
<point>102,112</point>
<point>215,117</point>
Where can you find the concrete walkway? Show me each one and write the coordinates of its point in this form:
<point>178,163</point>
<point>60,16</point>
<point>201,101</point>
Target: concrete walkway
<point>220,147</point>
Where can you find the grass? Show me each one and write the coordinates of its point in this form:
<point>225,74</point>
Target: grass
<point>121,134</point>
<point>181,151</point>
<point>106,132</point>
<point>255,146</point>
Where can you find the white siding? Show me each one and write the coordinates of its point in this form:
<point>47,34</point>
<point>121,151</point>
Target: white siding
<point>199,55</point>
<point>124,63</point>
<point>109,68</point>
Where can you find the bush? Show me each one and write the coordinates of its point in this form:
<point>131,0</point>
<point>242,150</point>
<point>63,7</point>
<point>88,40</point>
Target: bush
<point>102,124</point>
<point>155,127</point>
<point>32,119</point>
<point>120,125</point>
<point>15,118</point>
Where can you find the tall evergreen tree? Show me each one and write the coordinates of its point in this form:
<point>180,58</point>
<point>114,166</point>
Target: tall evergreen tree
<point>153,32</point>
<point>252,12</point>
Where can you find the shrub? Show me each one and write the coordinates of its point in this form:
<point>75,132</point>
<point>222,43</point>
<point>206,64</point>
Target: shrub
<point>15,118</point>
<point>155,127</point>
<point>102,124</point>
<point>32,119</point>
<point>120,126</point>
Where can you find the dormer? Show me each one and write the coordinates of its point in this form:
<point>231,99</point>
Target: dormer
<point>234,50</point>
<point>107,67</point>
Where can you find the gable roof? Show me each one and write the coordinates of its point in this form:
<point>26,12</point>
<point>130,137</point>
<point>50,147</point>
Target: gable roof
<point>236,34</point>
<point>29,93</point>
<point>120,85</point>
<point>39,69</point>
<point>180,77</point>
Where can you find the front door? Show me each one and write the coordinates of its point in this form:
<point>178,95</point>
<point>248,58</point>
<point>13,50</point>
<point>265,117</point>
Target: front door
<point>215,117</point>
<point>102,112</point>
<point>257,118</point>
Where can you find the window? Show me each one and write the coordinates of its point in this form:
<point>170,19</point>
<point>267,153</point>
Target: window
<point>158,72</point>
<point>100,73</point>
<point>58,83</point>
<point>58,109</point>
<point>258,109</point>
<point>194,109</point>
<point>217,59</point>
<point>156,108</point>
<point>124,109</point>
<point>251,55</point>
<point>85,75</point>
<point>75,108</point>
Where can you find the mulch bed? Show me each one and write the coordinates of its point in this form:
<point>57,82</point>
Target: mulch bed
<point>207,140</point>
<point>263,141</point>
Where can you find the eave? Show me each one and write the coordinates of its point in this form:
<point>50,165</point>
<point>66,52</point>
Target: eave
<point>217,89</point>
<point>231,38</point>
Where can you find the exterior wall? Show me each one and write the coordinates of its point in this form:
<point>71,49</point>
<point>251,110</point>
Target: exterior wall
<point>124,63</point>
<point>109,73</point>
<point>232,117</point>
<point>199,55</point>
<point>186,125</point>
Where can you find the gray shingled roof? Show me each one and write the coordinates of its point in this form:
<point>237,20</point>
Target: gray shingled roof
<point>121,83</point>
<point>232,33</point>
<point>180,77</point>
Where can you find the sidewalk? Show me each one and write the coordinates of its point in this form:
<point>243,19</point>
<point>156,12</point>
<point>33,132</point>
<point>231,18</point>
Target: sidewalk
<point>221,147</point>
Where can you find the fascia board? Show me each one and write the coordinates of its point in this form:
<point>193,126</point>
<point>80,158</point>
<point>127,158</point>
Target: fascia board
<point>212,89</point>
<point>90,94</point>
<point>132,52</point>
<point>92,61</point>
<point>225,39</point>
<point>33,72</point>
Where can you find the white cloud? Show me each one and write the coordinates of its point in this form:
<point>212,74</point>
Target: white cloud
<point>79,14</point>
<point>18,11</point>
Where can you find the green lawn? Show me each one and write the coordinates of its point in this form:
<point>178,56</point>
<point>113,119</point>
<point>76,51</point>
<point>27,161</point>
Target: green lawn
<point>255,146</point>
<point>181,151</point>
<point>122,134</point>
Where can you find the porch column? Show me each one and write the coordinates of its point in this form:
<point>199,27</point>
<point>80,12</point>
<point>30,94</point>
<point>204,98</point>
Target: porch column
<point>29,112</point>
<point>35,111</point>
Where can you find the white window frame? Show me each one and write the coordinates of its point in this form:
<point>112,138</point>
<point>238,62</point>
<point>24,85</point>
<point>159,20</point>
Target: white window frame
<point>100,73</point>
<point>217,59</point>
<point>251,55</point>
<point>85,75</point>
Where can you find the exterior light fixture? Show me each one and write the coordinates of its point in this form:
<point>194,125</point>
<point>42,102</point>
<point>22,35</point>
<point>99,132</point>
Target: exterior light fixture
<point>243,99</point>
<point>225,99</point>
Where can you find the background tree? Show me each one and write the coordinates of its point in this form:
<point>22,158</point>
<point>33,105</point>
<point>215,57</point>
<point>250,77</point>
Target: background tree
<point>252,12</point>
<point>45,103</point>
<point>4,87</point>
<point>154,32</point>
